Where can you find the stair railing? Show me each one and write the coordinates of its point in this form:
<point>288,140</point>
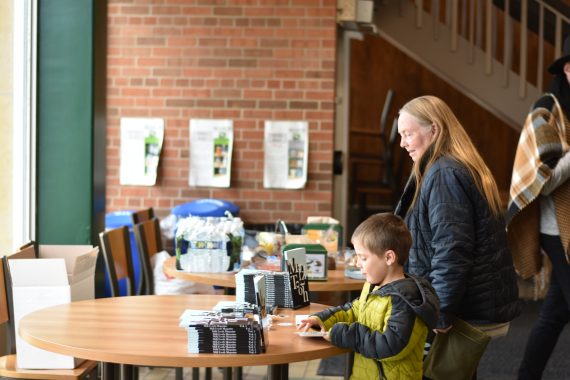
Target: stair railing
<point>477,21</point>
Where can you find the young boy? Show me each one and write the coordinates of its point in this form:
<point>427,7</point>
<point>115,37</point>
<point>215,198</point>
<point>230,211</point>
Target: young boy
<point>387,326</point>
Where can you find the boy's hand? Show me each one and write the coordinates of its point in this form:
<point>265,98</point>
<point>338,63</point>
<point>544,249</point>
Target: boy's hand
<point>327,337</point>
<point>306,324</point>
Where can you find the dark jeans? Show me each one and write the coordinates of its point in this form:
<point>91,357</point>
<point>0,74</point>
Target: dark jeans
<point>553,316</point>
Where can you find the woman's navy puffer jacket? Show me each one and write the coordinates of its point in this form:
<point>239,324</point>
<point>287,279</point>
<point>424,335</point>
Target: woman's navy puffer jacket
<point>460,247</point>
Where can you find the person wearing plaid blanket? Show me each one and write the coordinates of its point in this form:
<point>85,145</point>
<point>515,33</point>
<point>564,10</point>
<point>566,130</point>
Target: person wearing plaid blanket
<point>452,207</point>
<point>538,215</point>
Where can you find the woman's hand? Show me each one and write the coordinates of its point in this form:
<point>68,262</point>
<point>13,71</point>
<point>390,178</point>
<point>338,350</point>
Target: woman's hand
<point>443,331</point>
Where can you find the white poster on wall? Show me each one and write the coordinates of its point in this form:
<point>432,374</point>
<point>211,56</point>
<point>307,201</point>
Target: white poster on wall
<point>141,143</point>
<point>211,146</point>
<point>286,154</point>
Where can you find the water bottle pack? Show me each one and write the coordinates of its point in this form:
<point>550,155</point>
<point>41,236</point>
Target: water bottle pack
<point>202,243</point>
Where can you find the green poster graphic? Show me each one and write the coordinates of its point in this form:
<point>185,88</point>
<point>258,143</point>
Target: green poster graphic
<point>221,151</point>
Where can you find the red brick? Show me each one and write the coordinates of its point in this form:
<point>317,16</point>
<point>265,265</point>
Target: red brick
<point>241,103</point>
<point>228,11</point>
<point>251,155</point>
<point>151,41</point>
<point>289,94</point>
<point>166,72</point>
<point>242,63</point>
<point>289,195</point>
<point>304,206</point>
<point>257,94</point>
<point>290,12</point>
<point>197,93</point>
<point>291,23</point>
<point>163,92</point>
<point>321,12</point>
<point>261,114</point>
<point>166,112</point>
<point>303,105</point>
<point>227,73</point>
<point>274,42</point>
<point>288,115</point>
<point>272,104</point>
<point>212,42</point>
<point>260,12</point>
<point>161,10</point>
<point>226,114</point>
<point>274,63</point>
<point>210,103</point>
<point>228,52</point>
<point>227,93</point>
<point>243,42</point>
<point>133,10</point>
<point>145,102</point>
<point>182,41</point>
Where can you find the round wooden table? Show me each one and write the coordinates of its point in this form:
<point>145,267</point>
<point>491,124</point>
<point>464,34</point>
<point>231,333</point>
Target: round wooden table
<point>336,280</point>
<point>144,330</point>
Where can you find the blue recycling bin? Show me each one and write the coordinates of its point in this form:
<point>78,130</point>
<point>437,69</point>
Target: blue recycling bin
<point>119,219</point>
<point>206,207</point>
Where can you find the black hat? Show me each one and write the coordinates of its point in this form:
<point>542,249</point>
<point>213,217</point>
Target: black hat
<point>557,66</point>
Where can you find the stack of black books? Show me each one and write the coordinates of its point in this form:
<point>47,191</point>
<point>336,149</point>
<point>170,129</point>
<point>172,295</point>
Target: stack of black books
<point>277,288</point>
<point>223,332</point>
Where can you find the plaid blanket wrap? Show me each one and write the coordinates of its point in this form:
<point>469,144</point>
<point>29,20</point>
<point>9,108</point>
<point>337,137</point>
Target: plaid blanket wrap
<point>542,142</point>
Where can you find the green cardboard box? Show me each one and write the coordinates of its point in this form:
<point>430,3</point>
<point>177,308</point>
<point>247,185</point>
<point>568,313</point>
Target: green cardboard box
<point>317,260</point>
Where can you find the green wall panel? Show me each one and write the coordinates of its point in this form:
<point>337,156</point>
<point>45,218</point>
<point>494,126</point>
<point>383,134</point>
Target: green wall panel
<point>65,121</point>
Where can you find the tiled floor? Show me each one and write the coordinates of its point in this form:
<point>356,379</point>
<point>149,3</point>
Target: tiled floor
<point>301,370</point>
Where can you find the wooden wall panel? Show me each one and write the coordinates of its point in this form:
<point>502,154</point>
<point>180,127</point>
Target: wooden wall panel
<point>377,66</point>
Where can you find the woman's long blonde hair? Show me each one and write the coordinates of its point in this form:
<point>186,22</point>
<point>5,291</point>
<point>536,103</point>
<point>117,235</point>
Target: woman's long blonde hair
<point>451,140</point>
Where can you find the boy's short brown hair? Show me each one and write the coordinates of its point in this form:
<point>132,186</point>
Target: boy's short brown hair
<point>382,232</point>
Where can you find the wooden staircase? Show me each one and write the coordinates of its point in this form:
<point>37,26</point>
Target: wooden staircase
<point>482,48</point>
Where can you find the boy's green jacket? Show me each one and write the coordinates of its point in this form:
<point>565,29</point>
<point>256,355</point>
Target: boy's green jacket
<point>386,328</point>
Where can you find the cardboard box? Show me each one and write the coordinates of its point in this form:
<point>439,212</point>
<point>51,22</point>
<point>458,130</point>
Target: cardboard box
<point>329,235</point>
<point>61,274</point>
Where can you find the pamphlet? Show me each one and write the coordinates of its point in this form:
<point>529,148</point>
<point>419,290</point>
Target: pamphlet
<point>211,146</point>
<point>286,154</point>
<point>141,143</point>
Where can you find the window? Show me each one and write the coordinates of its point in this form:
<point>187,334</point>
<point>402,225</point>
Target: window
<point>17,115</point>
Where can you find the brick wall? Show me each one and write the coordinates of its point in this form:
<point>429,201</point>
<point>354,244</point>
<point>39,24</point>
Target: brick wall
<point>246,60</point>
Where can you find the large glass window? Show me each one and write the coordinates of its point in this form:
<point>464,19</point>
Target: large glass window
<point>17,115</point>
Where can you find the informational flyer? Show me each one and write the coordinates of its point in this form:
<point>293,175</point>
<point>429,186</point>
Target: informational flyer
<point>211,146</point>
<point>141,143</point>
<point>286,154</point>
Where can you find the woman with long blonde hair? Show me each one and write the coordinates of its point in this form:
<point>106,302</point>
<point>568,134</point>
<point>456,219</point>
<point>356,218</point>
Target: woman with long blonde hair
<point>452,207</point>
<point>453,141</point>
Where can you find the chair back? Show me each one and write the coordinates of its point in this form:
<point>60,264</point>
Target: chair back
<point>396,161</point>
<point>4,309</point>
<point>142,215</point>
<point>149,243</point>
<point>5,313</point>
<point>116,247</point>
<point>27,251</point>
